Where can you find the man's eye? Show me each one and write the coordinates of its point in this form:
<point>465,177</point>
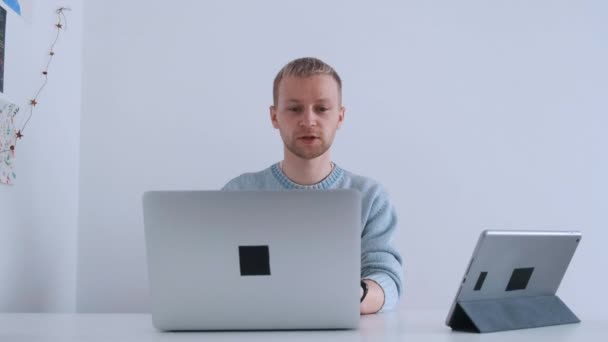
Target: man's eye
<point>293,109</point>
<point>323,109</point>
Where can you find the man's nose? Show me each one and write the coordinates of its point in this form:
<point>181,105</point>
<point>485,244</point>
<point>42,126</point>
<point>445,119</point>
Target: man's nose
<point>309,118</point>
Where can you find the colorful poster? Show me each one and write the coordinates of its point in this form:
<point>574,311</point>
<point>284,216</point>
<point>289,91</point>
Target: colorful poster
<point>2,40</point>
<point>22,8</point>
<point>8,137</point>
<point>14,5</point>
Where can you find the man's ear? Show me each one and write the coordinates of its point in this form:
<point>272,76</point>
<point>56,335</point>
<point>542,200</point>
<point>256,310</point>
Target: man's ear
<point>341,116</point>
<point>273,116</point>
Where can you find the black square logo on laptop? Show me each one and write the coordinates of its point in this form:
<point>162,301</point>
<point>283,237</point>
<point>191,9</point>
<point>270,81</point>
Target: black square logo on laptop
<point>254,260</point>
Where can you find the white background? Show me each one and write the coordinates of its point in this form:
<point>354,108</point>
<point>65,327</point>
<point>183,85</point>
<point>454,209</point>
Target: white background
<point>473,114</point>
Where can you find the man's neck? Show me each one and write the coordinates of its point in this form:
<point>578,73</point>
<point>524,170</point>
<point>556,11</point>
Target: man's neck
<point>307,171</point>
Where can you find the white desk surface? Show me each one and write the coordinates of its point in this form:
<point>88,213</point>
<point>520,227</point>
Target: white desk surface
<point>404,325</point>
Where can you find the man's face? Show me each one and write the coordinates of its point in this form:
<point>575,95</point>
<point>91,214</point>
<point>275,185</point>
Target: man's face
<point>307,113</point>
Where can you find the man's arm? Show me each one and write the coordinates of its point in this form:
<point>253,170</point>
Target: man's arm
<point>381,262</point>
<point>374,300</point>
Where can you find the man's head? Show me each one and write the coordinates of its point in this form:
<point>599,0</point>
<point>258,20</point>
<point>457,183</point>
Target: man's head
<point>307,109</point>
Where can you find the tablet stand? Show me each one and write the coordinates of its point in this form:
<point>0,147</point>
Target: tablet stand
<point>485,316</point>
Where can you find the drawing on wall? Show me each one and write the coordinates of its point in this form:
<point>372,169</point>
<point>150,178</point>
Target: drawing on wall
<point>8,111</point>
<point>9,134</point>
<point>2,40</point>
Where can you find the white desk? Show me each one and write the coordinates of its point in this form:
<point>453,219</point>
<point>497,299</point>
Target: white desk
<point>409,326</point>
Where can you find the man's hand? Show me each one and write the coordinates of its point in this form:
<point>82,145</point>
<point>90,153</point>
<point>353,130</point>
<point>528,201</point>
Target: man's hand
<point>374,300</point>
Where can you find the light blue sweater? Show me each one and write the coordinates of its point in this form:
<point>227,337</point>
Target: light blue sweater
<point>380,260</point>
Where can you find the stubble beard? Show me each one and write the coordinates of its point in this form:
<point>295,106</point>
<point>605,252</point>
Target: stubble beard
<point>305,151</point>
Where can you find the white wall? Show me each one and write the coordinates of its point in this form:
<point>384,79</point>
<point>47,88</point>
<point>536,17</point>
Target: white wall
<point>38,215</point>
<point>474,114</point>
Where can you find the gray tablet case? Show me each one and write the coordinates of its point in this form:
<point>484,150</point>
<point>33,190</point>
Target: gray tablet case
<point>511,282</point>
<point>485,316</point>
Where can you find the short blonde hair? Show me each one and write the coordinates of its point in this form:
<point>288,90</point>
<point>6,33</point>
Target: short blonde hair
<point>304,67</point>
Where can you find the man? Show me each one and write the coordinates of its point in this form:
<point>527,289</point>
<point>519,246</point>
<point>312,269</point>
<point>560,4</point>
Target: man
<point>307,111</point>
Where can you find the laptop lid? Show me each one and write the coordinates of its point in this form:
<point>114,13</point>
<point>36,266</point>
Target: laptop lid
<point>243,260</point>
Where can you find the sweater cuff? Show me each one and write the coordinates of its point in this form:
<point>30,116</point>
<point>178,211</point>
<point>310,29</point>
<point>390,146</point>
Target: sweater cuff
<point>391,295</point>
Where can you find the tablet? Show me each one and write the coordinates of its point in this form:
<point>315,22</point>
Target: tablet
<point>509,264</point>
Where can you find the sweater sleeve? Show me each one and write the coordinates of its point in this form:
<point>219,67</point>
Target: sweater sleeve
<point>232,185</point>
<point>380,260</point>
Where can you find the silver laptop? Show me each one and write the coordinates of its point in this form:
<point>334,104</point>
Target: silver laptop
<point>507,264</point>
<point>253,260</point>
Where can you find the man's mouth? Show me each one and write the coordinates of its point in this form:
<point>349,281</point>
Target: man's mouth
<point>308,138</point>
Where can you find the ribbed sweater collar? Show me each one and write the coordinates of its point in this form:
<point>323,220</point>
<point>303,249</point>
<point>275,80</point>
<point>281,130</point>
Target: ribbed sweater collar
<point>327,183</point>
